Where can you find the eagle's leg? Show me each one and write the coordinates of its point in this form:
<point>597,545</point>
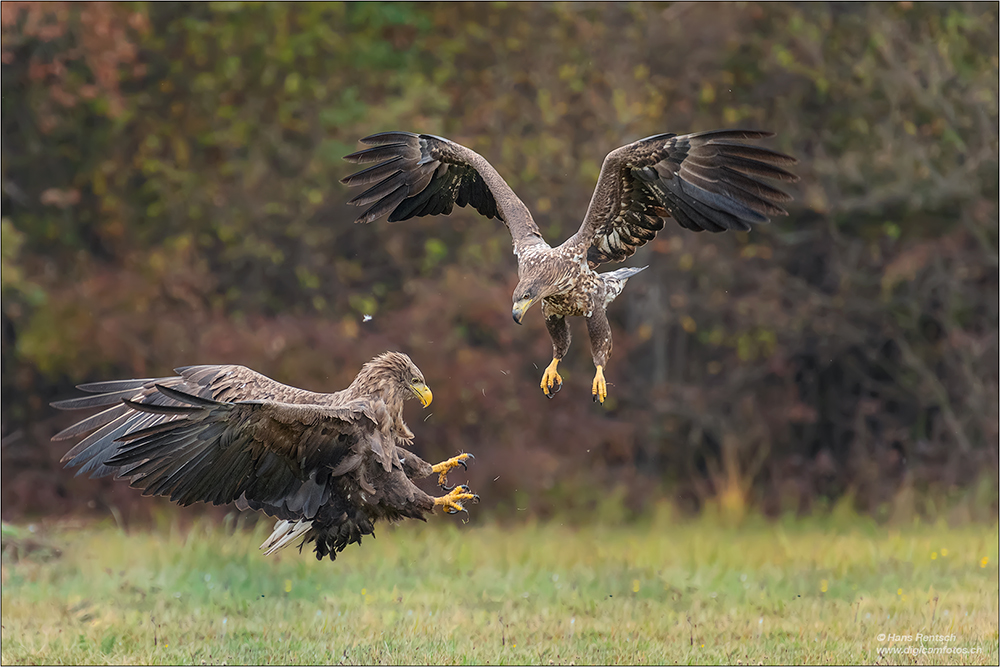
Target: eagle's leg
<point>452,502</point>
<point>559,333</point>
<point>600,347</point>
<point>442,468</point>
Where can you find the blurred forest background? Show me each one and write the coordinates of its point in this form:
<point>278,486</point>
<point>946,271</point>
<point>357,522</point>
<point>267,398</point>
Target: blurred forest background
<point>171,197</point>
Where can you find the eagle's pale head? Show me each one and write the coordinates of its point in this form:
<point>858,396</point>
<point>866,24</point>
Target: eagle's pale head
<point>543,273</point>
<point>395,377</point>
<point>529,290</point>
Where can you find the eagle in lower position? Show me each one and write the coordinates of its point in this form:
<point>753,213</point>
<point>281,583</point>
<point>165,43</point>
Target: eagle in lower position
<point>705,181</point>
<point>327,466</point>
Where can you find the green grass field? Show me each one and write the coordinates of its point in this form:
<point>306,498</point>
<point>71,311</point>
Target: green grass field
<point>659,591</point>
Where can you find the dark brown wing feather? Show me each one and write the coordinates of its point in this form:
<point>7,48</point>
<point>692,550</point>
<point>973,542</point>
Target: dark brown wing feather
<point>180,436</point>
<point>223,383</point>
<point>706,181</point>
<point>421,174</point>
<point>216,432</point>
<point>213,451</point>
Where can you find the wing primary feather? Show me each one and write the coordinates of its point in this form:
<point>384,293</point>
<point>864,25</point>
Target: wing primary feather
<point>381,138</point>
<point>697,187</point>
<point>387,204</point>
<point>374,173</point>
<point>388,152</point>
<point>161,409</point>
<point>98,400</point>
<point>381,189</point>
<point>91,423</point>
<point>184,397</point>
<point>755,168</point>
<point>683,211</point>
<point>722,135</point>
<point>116,385</point>
<point>711,219</point>
<point>752,152</point>
<point>145,432</point>
<point>738,188</point>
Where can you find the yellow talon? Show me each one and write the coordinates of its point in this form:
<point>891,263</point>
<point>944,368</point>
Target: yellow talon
<point>452,502</point>
<point>600,389</point>
<point>442,468</point>
<point>550,379</point>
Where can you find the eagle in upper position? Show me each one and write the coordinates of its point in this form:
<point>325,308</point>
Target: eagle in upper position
<point>705,181</point>
<point>328,466</point>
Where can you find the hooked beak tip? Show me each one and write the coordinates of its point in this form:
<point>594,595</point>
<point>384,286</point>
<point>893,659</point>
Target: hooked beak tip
<point>424,393</point>
<point>520,308</point>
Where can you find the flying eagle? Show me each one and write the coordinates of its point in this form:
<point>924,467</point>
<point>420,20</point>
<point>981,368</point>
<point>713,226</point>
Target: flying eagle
<point>705,181</point>
<point>328,466</point>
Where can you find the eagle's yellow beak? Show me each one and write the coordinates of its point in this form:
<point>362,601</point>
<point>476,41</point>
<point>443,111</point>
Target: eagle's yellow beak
<point>520,308</point>
<point>423,392</point>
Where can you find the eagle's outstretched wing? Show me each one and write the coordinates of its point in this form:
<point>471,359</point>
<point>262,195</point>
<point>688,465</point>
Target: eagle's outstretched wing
<point>172,437</point>
<point>421,174</point>
<point>706,181</point>
<point>217,382</point>
<point>216,451</point>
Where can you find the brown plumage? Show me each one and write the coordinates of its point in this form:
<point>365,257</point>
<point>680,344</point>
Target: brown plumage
<point>327,465</point>
<point>708,181</point>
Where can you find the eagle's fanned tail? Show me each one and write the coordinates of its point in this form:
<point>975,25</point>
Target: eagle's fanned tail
<point>285,532</point>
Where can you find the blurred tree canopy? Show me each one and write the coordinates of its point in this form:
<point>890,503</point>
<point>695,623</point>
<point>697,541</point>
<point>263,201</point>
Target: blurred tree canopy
<point>171,197</point>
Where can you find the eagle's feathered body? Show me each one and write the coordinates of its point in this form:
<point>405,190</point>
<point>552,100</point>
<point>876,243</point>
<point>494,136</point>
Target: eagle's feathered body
<point>707,181</point>
<point>329,466</point>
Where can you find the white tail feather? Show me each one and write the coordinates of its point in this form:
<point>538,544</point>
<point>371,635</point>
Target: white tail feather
<point>284,533</point>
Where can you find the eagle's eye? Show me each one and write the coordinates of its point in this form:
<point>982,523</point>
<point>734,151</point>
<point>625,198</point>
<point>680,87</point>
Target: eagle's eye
<point>414,381</point>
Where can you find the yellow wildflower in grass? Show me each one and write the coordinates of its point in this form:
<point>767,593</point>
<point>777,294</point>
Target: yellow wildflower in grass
<point>933,555</point>
<point>635,585</point>
<point>899,591</point>
<point>984,561</point>
<point>364,591</point>
<point>288,585</point>
<point>824,585</point>
<point>944,553</point>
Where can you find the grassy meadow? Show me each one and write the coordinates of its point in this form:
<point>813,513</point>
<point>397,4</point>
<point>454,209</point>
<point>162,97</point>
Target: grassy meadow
<point>660,591</point>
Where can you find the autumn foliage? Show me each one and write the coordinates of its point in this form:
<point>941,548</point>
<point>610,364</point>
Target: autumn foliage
<point>171,197</point>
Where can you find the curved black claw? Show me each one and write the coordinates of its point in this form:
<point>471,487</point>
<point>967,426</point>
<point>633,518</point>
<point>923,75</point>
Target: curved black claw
<point>450,464</point>
<point>552,391</point>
